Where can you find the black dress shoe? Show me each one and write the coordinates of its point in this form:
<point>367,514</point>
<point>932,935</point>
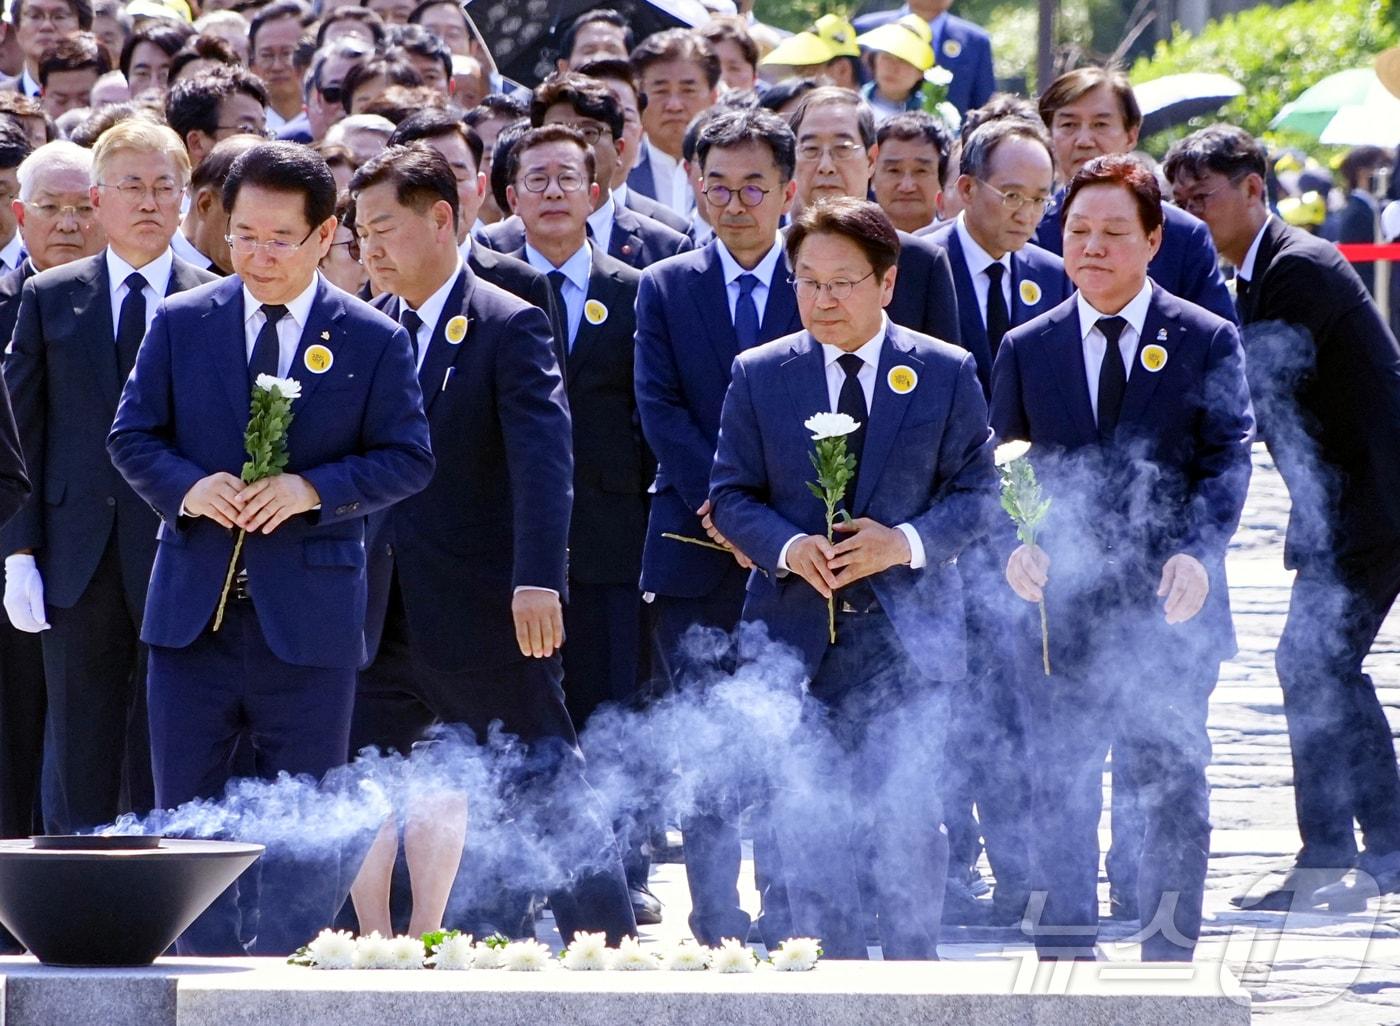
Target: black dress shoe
<point>1297,888</point>
<point>960,908</point>
<point>646,907</point>
<point>1373,876</point>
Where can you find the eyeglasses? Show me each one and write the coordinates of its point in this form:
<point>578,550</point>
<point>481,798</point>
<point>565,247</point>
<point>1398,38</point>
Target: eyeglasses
<point>135,192</point>
<point>247,128</point>
<point>538,181</point>
<point>846,150</point>
<point>56,16</point>
<point>246,245</point>
<point>749,195</point>
<point>591,131</point>
<point>330,93</point>
<point>274,56</point>
<point>838,288</point>
<point>352,248</point>
<point>1014,201</point>
<point>1196,202</point>
<point>83,213</point>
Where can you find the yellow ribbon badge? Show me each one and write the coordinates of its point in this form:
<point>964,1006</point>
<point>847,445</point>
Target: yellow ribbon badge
<point>595,312</point>
<point>1030,293</point>
<point>1153,358</point>
<point>951,48</point>
<point>902,379</point>
<point>456,329</point>
<point>318,359</point>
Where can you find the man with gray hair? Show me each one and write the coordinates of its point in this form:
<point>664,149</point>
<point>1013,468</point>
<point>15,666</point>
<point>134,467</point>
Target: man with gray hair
<point>321,90</point>
<point>363,135</point>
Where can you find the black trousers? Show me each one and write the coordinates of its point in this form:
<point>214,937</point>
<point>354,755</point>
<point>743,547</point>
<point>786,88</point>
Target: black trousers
<point>97,753</point>
<point>543,786</point>
<point>22,704</point>
<point>1344,766</point>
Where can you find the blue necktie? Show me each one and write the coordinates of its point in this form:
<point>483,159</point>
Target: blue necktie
<point>556,280</point>
<point>746,313</point>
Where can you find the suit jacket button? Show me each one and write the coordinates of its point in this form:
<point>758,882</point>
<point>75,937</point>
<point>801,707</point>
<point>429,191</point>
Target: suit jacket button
<point>388,550</point>
<point>111,500</point>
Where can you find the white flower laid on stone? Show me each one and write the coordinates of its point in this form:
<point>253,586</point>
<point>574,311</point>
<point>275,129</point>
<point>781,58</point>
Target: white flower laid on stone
<point>796,954</point>
<point>630,956</point>
<point>488,955</point>
<point>332,949</point>
<point>587,952</point>
<point>454,952</point>
<point>686,957</point>
<point>373,952</point>
<point>406,953</point>
<point>288,388</point>
<point>830,425</point>
<point>733,956</point>
<point>525,956</point>
<point>1008,452</point>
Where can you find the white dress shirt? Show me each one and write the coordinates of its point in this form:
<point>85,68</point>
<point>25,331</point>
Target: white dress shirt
<point>289,328</point>
<point>12,254</point>
<point>575,290</point>
<point>978,260</point>
<point>185,250</point>
<point>673,186</point>
<point>835,378</point>
<point>156,273</point>
<point>1246,268</point>
<point>430,313</point>
<point>600,223</point>
<point>1095,344</point>
<point>764,271</point>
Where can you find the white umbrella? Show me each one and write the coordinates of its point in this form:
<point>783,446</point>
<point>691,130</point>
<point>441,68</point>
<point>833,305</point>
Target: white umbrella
<point>1373,122</point>
<point>1174,99</point>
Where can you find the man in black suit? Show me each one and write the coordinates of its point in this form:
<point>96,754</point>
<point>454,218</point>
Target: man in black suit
<point>622,234</point>
<point>78,560</point>
<point>37,27</point>
<point>836,152</point>
<point>468,577</point>
<point>1325,373</point>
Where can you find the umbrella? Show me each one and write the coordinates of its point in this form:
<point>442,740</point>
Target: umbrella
<point>523,35</point>
<point>1337,110</point>
<point>1175,99</point>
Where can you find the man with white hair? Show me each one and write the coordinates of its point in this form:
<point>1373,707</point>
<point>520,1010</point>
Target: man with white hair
<point>363,135</point>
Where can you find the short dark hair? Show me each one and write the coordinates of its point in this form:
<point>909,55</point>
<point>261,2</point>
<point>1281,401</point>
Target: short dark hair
<point>203,47</point>
<point>14,144</point>
<point>731,29</point>
<point>601,14</point>
<point>74,53</point>
<point>497,105</point>
<point>362,15</point>
<point>979,147</point>
<point>214,168</point>
<point>733,128</point>
<point>861,221</point>
<point>780,94</point>
<point>616,70</point>
<point>543,136</point>
<point>837,96</point>
<point>90,129</point>
<point>284,167</point>
<point>1223,149</point>
<point>420,175</point>
<point>391,69</point>
<point>433,124</point>
<point>919,126</point>
<point>1000,105</point>
<point>419,42</point>
<point>676,45</point>
<point>276,11</point>
<point>1070,86</point>
<point>588,98</point>
<point>1127,172</point>
<point>501,176</point>
<point>82,10</point>
<point>193,104</point>
<point>350,49</point>
<point>168,36</point>
<point>398,103</point>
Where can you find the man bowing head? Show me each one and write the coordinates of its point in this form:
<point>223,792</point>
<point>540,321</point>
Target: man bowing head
<point>280,670</point>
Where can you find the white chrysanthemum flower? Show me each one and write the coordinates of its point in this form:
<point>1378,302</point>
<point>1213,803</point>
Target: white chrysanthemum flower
<point>455,952</point>
<point>797,954</point>
<point>487,957</point>
<point>288,388</point>
<point>733,956</point>
<point>830,425</point>
<point>332,949</point>
<point>406,953</point>
<point>525,956</point>
<point>687,957</point>
<point>1008,452</point>
<point>630,956</point>
<point>372,952</point>
<point>587,952</point>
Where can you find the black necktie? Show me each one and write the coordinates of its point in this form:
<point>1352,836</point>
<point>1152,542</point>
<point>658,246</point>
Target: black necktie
<point>1113,377</point>
<point>557,279</point>
<point>266,350</point>
<point>746,313</point>
<point>851,401</point>
<point>411,323</point>
<point>998,320</point>
<point>1241,296</point>
<point>131,323</point>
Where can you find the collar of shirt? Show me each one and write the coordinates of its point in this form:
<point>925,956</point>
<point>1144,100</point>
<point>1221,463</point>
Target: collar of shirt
<point>13,252</point>
<point>668,174</point>
<point>465,249</point>
<point>298,309</point>
<point>431,311</point>
<point>184,249</point>
<point>978,259</point>
<point>1246,268</point>
<point>763,270</point>
<point>275,122</point>
<point>600,222</point>
<point>156,273</point>
<point>869,354</point>
<point>1135,312</point>
<point>575,268</point>
<point>619,195</point>
<point>28,86</point>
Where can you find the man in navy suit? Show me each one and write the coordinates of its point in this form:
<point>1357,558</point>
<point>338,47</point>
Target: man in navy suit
<point>1138,415</point>
<point>836,154</point>
<point>622,234</point>
<point>280,671</point>
<point>923,486</point>
<point>79,555</point>
<point>1091,112</point>
<point>678,77</point>
<point>696,311</point>
<point>960,46</point>
<point>469,632</point>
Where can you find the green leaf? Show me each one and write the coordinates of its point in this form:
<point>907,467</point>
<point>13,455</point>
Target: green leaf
<point>302,957</point>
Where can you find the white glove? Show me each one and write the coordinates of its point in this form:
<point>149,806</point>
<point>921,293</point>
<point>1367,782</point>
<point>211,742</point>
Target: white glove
<point>24,593</point>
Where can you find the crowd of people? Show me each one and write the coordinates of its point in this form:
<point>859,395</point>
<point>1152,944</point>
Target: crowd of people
<point>555,348</point>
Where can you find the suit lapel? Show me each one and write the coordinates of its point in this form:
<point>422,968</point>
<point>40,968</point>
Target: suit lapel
<point>780,312</point>
<point>586,342</point>
<point>625,244</point>
<point>969,314</point>
<point>887,411</point>
<point>1265,254</point>
<point>1160,329</point>
<point>182,277</point>
<point>804,371</point>
<point>1065,351</point>
<point>442,354</point>
<point>712,301</point>
<point>228,347</point>
<point>326,309</point>
<point>92,308</point>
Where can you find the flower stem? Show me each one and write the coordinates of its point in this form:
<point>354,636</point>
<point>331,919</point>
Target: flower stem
<point>228,580</point>
<point>1044,639</point>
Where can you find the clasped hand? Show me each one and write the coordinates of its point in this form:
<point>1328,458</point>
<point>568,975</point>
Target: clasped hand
<point>869,548</point>
<point>708,523</point>
<point>1184,583</point>
<point>262,505</point>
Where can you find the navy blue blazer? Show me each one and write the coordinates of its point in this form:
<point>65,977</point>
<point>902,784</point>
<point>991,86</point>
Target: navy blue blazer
<point>1187,265</point>
<point>927,461</point>
<point>495,515</point>
<point>358,435</point>
<point>62,372</point>
<point>649,207</point>
<point>962,47</point>
<point>636,241</point>
<point>1173,479</point>
<point>685,348</point>
<point>1038,283</point>
<point>640,180</point>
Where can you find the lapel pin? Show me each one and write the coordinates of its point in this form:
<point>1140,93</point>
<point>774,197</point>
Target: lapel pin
<point>1030,293</point>
<point>325,336</point>
<point>1161,334</point>
<point>951,49</point>
<point>318,359</point>
<point>902,379</point>
<point>456,329</point>
<point>595,312</point>
<point>1154,358</point>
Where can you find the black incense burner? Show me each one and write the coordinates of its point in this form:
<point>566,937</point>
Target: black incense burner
<point>120,900</point>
